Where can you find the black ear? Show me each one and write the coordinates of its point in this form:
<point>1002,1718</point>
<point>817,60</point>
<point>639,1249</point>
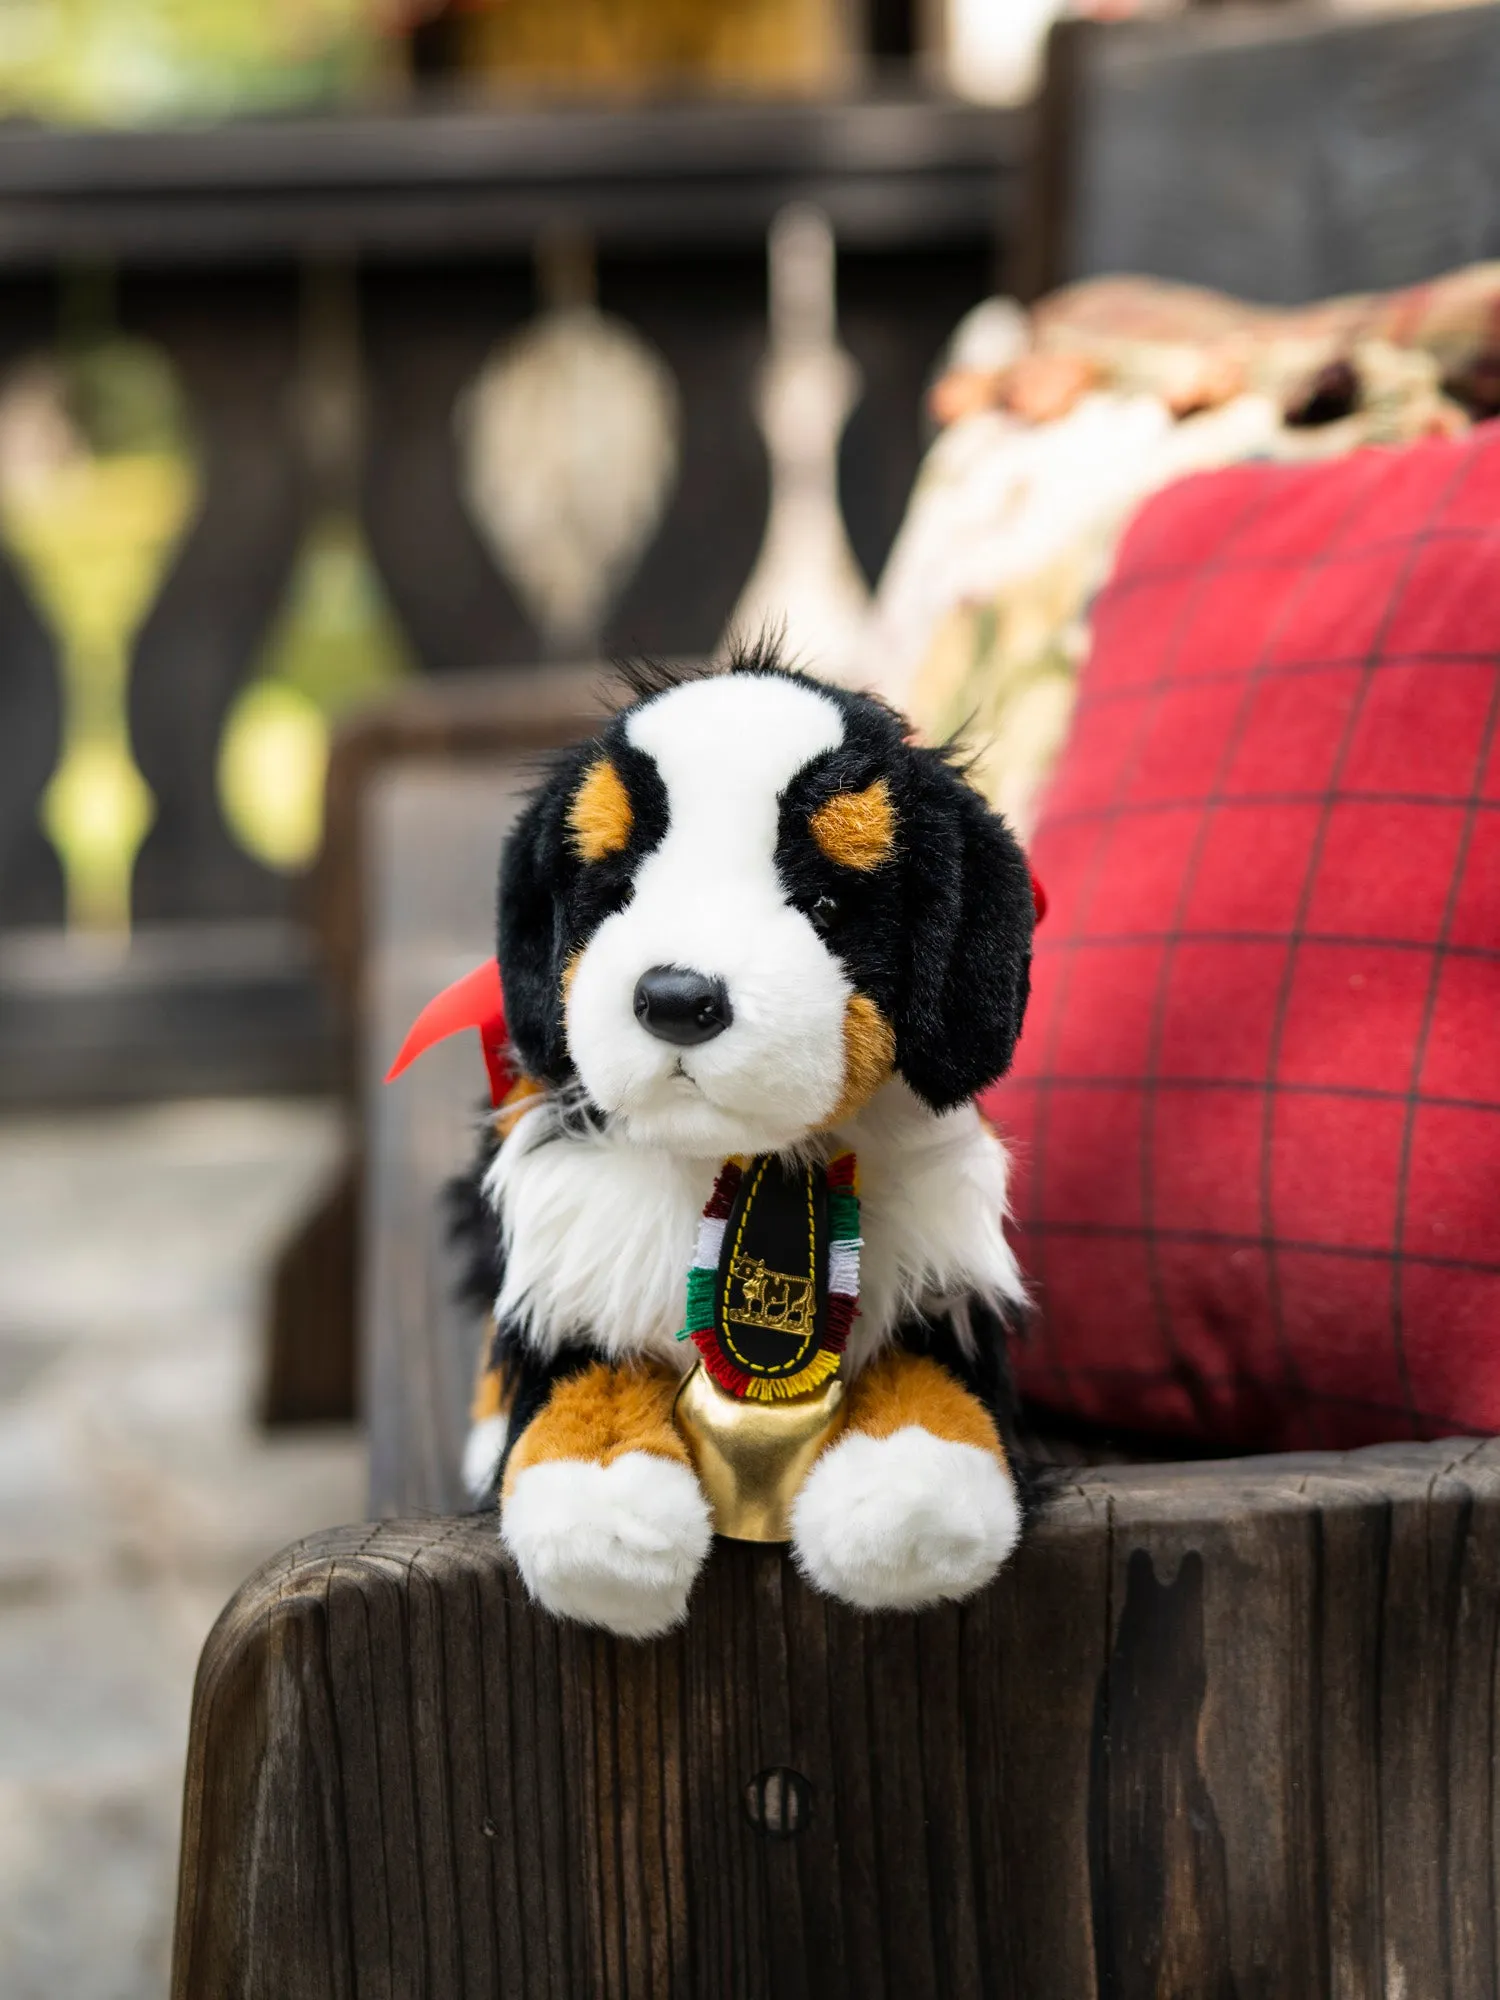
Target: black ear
<point>537,866</point>
<point>969,920</point>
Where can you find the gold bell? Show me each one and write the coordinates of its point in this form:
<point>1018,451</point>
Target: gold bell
<point>752,1457</point>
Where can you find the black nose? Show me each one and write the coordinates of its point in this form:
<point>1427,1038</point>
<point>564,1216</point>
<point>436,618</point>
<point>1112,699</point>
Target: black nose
<point>681,1007</point>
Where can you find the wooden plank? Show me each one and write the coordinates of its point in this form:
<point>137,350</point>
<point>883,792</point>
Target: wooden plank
<point>1212,1734</point>
<point>1203,1678</point>
<point>1031,1721</point>
<point>264,1732</point>
<point>432,851</point>
<point>185,1010</point>
<point>438,181</point>
<point>31,889</point>
<point>311,1362</point>
<point>472,719</point>
<point>1278,154</point>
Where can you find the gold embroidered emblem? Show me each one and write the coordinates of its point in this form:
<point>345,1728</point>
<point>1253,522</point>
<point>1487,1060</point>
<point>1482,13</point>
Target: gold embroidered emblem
<point>773,1300</point>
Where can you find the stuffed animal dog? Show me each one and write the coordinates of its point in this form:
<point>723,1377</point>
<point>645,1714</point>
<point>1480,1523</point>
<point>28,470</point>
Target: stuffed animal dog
<point>750,919</point>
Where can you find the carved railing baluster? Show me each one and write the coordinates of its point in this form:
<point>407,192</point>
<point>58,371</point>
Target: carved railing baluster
<point>569,439</point>
<point>443,215</point>
<point>431,227</point>
<point>805,578</point>
<point>234,344</point>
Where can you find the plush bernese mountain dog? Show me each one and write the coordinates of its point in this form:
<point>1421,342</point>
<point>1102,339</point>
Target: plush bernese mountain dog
<point>750,919</point>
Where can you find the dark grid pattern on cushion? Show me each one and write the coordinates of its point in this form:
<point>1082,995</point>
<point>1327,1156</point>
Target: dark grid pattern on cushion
<point>1256,1108</point>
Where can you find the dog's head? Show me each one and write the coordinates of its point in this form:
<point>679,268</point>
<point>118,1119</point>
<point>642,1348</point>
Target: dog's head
<point>751,901</point>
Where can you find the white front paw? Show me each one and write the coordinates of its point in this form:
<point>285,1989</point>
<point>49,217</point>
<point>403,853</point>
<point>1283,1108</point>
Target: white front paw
<point>895,1523</point>
<point>483,1449</point>
<point>616,1545</point>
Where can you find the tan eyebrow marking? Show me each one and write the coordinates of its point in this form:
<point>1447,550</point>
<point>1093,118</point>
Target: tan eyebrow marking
<point>600,816</point>
<point>857,829</point>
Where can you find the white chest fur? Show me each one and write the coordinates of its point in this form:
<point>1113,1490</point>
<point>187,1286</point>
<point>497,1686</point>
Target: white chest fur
<point>599,1232</point>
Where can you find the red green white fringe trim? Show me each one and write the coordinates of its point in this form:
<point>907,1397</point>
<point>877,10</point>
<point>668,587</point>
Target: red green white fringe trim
<point>844,1246</point>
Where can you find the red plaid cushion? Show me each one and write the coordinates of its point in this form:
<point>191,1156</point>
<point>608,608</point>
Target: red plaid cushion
<point>1256,1108</point>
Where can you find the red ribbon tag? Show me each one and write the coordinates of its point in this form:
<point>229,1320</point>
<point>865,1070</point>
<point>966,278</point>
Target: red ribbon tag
<point>1039,898</point>
<point>475,1001</point>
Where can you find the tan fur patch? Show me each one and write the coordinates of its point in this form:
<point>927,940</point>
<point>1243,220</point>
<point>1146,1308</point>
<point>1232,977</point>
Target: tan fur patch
<point>601,1414</point>
<point>901,1389</point>
<point>489,1397</point>
<point>522,1094</point>
<point>600,817</point>
<point>869,1054</point>
<point>570,973</point>
<point>857,829</point>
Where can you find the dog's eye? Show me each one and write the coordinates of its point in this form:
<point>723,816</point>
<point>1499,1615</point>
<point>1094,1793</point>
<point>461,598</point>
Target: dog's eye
<point>824,914</point>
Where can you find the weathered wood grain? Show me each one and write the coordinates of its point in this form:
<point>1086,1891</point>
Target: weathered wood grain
<point>1218,1731</point>
<point>431,852</point>
<point>1280,154</point>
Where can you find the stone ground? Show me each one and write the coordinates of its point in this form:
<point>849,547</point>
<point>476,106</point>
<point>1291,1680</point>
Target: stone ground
<point>135,1493</point>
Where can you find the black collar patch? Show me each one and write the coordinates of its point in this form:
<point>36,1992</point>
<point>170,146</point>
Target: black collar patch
<point>774,1289</point>
<point>771,1295</point>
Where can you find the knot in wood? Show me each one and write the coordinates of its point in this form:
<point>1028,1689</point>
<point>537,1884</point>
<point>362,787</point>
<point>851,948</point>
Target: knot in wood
<point>778,1803</point>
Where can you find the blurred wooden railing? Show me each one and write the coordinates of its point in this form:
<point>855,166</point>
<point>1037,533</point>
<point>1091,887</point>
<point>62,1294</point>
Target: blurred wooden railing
<point>329,303</point>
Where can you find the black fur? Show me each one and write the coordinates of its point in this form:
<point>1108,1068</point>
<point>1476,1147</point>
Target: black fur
<point>474,1231</point>
<point>529,1379</point>
<point>939,936</point>
<point>526,1377</point>
<point>982,1364</point>
<point>551,903</point>
<point>642,678</point>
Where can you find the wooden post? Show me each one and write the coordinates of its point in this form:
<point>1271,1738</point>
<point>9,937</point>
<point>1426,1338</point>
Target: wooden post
<point>1219,1730</point>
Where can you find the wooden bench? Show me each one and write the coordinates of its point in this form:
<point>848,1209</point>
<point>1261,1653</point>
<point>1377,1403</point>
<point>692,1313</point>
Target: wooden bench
<point>1221,1729</point>
<point>1218,1731</point>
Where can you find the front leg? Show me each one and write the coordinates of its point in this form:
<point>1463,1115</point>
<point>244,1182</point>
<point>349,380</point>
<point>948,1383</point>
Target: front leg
<point>600,1505</point>
<point>915,1501</point>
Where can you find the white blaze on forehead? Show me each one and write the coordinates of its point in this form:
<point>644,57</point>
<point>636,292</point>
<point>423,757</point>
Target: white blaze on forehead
<point>726,749</point>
